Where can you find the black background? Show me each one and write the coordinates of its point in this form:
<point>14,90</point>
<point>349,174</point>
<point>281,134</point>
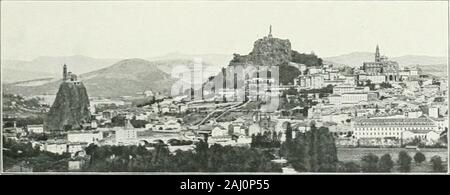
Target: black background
<point>164,184</point>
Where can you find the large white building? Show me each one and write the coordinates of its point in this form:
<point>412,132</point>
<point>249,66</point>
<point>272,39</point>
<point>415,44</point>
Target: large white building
<point>127,135</point>
<point>376,79</point>
<point>341,89</point>
<point>348,98</point>
<point>75,147</point>
<point>55,146</point>
<point>312,81</point>
<point>85,136</point>
<point>35,128</point>
<point>401,128</point>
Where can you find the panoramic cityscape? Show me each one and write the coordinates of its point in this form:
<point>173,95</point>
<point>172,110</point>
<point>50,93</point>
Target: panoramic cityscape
<point>272,109</point>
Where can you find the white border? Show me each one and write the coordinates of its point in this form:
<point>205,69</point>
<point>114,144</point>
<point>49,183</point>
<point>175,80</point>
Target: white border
<point>216,173</point>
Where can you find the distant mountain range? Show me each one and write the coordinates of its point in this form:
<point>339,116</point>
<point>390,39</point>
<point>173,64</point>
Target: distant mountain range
<point>217,60</point>
<point>439,70</point>
<point>41,67</point>
<point>356,59</point>
<point>114,77</point>
<point>11,75</point>
<point>51,67</point>
<point>105,77</point>
<point>126,77</point>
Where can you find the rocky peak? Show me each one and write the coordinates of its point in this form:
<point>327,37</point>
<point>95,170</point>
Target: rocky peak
<point>70,109</point>
<point>266,51</point>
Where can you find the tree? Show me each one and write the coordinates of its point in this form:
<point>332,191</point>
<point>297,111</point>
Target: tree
<point>288,132</point>
<point>436,162</point>
<point>312,151</point>
<point>118,121</point>
<point>307,59</point>
<point>369,163</point>
<point>138,123</point>
<point>419,157</point>
<point>291,91</point>
<point>288,74</point>
<point>385,85</point>
<point>385,164</point>
<point>404,161</point>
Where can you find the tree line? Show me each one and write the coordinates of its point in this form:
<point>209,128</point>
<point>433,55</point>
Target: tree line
<point>24,154</point>
<point>216,158</point>
<point>311,151</point>
<point>371,163</point>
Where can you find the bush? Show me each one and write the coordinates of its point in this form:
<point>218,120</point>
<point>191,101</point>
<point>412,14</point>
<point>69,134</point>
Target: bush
<point>436,162</point>
<point>369,163</point>
<point>288,74</point>
<point>385,85</point>
<point>419,157</point>
<point>307,59</point>
<point>385,164</point>
<point>404,161</point>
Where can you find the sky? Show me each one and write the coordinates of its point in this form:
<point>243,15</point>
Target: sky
<point>137,29</point>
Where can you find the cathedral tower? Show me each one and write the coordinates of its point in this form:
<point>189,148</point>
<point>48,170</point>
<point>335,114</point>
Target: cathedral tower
<point>377,54</point>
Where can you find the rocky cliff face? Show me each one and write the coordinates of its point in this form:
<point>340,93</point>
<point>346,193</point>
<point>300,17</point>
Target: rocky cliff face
<point>70,109</point>
<point>267,51</point>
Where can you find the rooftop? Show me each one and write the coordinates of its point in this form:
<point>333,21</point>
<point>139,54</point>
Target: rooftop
<point>394,121</point>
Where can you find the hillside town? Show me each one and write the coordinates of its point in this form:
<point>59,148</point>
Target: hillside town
<point>380,104</point>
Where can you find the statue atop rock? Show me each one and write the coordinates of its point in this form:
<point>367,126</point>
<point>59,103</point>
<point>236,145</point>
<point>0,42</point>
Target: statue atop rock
<point>270,31</point>
<point>267,51</point>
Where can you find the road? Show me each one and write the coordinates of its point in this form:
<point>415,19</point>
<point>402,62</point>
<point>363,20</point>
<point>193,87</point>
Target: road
<point>224,110</point>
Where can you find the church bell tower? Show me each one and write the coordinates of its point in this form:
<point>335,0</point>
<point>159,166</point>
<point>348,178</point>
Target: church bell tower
<point>377,54</point>
<point>65,72</point>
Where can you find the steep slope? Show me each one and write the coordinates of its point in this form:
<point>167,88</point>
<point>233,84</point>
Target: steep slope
<point>70,109</point>
<point>128,77</point>
<point>267,51</point>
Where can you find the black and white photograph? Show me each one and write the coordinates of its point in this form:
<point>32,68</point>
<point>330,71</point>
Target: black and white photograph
<point>224,87</point>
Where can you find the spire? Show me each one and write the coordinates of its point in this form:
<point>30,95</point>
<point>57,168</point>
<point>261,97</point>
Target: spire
<point>377,54</point>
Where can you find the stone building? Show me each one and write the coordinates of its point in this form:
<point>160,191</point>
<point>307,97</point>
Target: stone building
<point>400,128</point>
<point>382,66</point>
<point>312,81</point>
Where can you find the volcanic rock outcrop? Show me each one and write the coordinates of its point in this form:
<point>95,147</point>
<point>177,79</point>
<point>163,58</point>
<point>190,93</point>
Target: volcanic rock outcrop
<point>70,111</point>
<point>266,52</point>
